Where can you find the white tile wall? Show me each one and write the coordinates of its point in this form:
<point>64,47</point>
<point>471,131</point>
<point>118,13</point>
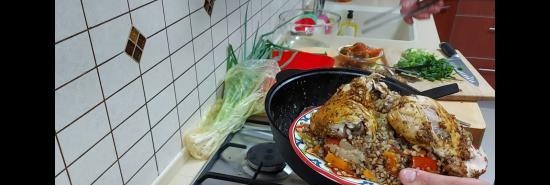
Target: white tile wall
<point>156,49</point>
<point>157,79</point>
<point>235,40</point>
<point>110,177</point>
<point>219,11</point>
<point>86,169</point>
<point>72,58</point>
<point>117,145</point>
<point>125,102</point>
<point>220,73</point>
<point>136,3</point>
<point>161,105</point>
<point>84,133</point>
<point>129,132</point>
<point>182,59</point>
<point>168,151</point>
<point>200,21</point>
<point>202,45</point>
<point>189,105</point>
<point>120,71</point>
<point>175,9</point>
<point>233,21</point>
<point>232,5</point>
<point>62,179</point>
<point>208,101</point>
<point>77,97</point>
<point>206,88</point>
<point>219,32</point>
<point>136,157</point>
<point>179,34</point>
<point>69,18</point>
<point>110,38</point>
<point>204,67</point>
<point>149,19</point>
<point>146,175</point>
<point>220,52</point>
<point>195,4</point>
<point>58,160</point>
<point>96,11</point>
<point>185,84</point>
<point>165,128</point>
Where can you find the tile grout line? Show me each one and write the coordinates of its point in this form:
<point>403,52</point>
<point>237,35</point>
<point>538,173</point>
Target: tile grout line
<point>140,168</point>
<point>116,55</point>
<point>212,50</point>
<point>90,148</point>
<point>173,79</point>
<point>130,12</point>
<point>122,14</point>
<point>148,116</point>
<point>66,169</point>
<point>102,92</point>
<point>170,137</point>
<point>119,125</point>
<point>194,57</point>
<point>59,145</point>
<point>103,22</point>
<point>134,144</point>
<point>120,89</point>
<point>102,173</point>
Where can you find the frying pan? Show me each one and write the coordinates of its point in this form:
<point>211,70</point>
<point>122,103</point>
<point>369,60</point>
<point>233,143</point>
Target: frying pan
<point>296,90</point>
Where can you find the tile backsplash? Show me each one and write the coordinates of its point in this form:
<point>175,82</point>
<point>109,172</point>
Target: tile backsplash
<point>120,122</point>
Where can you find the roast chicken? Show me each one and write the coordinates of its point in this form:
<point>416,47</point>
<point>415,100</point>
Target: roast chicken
<point>352,108</point>
<point>424,122</point>
<point>419,120</point>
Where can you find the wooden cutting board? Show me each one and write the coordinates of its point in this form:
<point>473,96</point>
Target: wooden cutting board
<point>468,92</point>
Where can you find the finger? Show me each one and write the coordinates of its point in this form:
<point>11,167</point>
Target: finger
<point>410,176</point>
<point>423,15</point>
<point>407,6</point>
<point>408,20</point>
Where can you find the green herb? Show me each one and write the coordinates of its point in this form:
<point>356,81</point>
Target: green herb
<point>426,64</point>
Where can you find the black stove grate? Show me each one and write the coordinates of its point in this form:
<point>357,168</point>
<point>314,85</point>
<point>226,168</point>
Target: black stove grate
<point>206,173</point>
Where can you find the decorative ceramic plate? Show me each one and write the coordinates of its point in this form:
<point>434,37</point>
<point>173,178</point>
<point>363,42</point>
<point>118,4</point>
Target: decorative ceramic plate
<point>314,162</point>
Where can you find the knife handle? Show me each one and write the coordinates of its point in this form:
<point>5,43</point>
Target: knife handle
<point>447,49</point>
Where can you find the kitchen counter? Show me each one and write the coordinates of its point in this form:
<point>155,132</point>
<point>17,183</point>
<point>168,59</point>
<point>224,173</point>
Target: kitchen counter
<point>183,168</point>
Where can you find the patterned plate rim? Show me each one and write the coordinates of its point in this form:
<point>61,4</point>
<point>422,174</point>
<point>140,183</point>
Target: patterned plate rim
<point>304,158</point>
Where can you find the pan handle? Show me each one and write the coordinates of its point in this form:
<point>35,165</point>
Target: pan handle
<point>434,93</point>
<point>441,91</point>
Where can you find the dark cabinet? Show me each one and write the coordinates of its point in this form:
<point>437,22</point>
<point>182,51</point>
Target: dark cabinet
<point>469,25</point>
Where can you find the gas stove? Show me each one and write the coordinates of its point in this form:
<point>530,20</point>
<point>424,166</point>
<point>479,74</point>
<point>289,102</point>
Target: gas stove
<point>248,156</point>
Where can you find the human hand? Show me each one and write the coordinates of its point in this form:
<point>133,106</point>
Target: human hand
<point>410,176</point>
<point>410,5</point>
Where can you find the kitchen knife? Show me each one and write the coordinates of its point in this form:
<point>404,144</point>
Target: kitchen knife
<point>457,63</point>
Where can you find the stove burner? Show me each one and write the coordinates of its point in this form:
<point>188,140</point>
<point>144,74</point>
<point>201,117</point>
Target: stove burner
<point>266,157</point>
